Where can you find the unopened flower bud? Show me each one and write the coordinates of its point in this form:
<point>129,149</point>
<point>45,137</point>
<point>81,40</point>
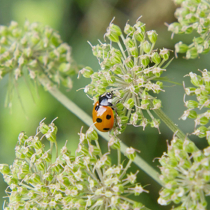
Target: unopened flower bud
<point>200,132</point>
<point>181,48</point>
<point>174,27</point>
<point>4,169</point>
<point>164,53</point>
<point>139,36</point>
<point>129,42</point>
<point>191,104</point>
<point>145,60</point>
<point>129,103</point>
<point>189,146</point>
<point>124,119</point>
<point>139,25</point>
<point>116,69</point>
<point>22,137</point>
<point>87,72</point>
<point>155,57</point>
<point>64,67</point>
<point>43,128</point>
<point>152,35</point>
<point>145,104</point>
<point>114,143</point>
<point>134,52</point>
<point>115,28</point>
<point>112,36</point>
<point>129,62</point>
<point>192,114</point>
<point>203,120</point>
<point>130,153</point>
<point>129,30</point>
<point>92,134</point>
<point>192,53</point>
<point>146,46</point>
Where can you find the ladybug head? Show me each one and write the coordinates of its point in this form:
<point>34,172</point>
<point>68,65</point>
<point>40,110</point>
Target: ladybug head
<point>104,99</point>
<point>109,95</point>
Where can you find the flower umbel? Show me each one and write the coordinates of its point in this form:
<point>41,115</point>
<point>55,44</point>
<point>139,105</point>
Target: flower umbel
<point>86,180</point>
<point>130,68</point>
<point>193,15</point>
<point>199,109</point>
<point>185,173</point>
<point>37,49</point>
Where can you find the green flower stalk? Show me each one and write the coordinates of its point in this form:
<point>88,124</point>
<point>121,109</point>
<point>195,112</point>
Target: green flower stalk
<point>86,180</point>
<point>185,172</point>
<point>199,109</point>
<point>193,15</point>
<point>130,68</point>
<point>37,49</point>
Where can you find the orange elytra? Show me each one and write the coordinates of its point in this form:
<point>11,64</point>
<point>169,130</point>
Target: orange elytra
<point>103,115</point>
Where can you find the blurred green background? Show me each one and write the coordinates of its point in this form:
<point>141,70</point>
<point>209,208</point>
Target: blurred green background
<point>78,21</point>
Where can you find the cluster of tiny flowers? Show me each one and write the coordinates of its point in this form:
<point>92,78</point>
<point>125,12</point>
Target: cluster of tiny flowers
<point>129,68</point>
<point>193,15</point>
<point>86,180</point>
<point>199,109</point>
<point>185,173</point>
<point>37,48</point>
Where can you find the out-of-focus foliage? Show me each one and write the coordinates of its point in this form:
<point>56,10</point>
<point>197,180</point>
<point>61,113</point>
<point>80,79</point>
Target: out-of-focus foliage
<point>37,49</point>
<point>192,16</point>
<point>78,21</point>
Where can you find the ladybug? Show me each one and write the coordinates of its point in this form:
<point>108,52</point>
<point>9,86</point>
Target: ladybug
<point>103,115</point>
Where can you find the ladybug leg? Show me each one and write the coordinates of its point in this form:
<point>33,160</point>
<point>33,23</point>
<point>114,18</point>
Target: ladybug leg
<point>111,105</point>
<point>97,108</point>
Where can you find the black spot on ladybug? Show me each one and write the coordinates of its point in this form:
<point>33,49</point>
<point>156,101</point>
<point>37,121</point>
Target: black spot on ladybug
<point>97,108</point>
<point>98,120</point>
<point>106,129</point>
<point>108,117</point>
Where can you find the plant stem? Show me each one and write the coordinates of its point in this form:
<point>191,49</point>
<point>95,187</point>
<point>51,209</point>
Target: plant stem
<point>170,123</point>
<point>65,101</point>
<point>88,120</point>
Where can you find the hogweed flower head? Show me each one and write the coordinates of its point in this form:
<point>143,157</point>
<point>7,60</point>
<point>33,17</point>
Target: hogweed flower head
<point>129,68</point>
<point>185,172</point>
<point>198,109</point>
<point>192,15</point>
<point>37,49</point>
<point>86,180</point>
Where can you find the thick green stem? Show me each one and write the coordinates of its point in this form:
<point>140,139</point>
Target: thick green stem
<point>88,120</point>
<point>169,123</point>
